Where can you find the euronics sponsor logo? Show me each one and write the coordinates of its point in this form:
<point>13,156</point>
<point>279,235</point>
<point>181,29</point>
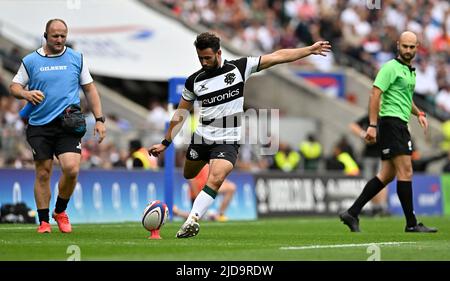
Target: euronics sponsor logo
<point>219,98</point>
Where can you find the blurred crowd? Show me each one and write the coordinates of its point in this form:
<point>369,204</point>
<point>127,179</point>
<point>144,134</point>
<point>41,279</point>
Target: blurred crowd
<point>305,156</point>
<point>115,152</point>
<point>363,36</point>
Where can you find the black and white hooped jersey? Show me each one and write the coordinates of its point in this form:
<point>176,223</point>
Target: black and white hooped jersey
<point>220,94</point>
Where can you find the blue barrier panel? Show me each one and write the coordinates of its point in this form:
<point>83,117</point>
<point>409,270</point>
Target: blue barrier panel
<point>119,195</point>
<point>176,86</point>
<point>427,194</point>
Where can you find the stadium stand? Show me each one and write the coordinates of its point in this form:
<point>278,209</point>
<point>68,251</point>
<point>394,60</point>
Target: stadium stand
<point>363,38</point>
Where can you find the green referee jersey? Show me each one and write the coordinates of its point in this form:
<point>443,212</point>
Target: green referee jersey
<point>397,81</point>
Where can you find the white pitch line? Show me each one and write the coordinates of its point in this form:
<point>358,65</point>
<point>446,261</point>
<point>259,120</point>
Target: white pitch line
<point>73,226</point>
<point>26,227</point>
<point>18,227</point>
<point>345,245</point>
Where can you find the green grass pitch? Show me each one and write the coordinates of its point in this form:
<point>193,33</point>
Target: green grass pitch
<point>280,239</point>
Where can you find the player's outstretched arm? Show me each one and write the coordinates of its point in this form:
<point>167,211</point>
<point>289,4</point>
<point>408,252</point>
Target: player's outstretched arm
<point>176,123</point>
<point>290,55</point>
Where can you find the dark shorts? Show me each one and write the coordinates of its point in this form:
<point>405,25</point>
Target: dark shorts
<point>50,139</point>
<point>205,152</point>
<point>394,138</point>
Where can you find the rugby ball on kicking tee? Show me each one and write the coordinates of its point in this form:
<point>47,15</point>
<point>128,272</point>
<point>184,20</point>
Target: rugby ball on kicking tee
<point>155,215</point>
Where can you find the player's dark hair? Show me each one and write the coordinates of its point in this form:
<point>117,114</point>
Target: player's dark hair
<point>207,40</point>
<point>47,26</point>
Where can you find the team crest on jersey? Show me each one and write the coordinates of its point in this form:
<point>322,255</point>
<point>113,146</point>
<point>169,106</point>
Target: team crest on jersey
<point>229,78</point>
<point>193,154</point>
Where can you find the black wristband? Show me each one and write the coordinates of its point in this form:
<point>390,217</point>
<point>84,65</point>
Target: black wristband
<point>372,125</point>
<point>100,119</point>
<point>165,142</point>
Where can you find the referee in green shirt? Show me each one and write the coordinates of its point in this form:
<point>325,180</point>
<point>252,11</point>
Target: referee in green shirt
<point>394,85</point>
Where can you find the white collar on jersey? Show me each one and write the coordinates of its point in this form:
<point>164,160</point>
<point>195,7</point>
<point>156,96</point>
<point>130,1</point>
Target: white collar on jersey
<point>42,52</point>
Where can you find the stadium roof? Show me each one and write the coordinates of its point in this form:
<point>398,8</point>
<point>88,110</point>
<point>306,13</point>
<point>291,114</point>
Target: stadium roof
<point>119,38</point>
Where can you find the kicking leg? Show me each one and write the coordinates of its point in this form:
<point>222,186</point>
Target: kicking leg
<point>218,170</point>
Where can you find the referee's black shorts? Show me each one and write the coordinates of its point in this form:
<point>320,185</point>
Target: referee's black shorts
<point>51,139</point>
<point>394,138</point>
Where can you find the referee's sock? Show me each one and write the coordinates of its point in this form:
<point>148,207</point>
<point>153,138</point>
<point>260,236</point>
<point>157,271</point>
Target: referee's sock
<point>43,215</point>
<point>405,194</point>
<point>61,205</point>
<point>370,190</point>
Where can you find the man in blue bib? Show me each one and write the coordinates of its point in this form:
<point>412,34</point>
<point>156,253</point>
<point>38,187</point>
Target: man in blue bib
<point>54,76</point>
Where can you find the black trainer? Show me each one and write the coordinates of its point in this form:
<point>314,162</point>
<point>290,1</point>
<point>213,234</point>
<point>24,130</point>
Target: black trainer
<point>350,221</point>
<point>420,228</point>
